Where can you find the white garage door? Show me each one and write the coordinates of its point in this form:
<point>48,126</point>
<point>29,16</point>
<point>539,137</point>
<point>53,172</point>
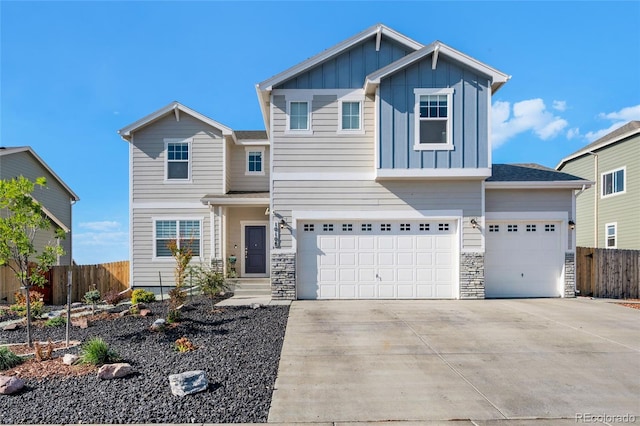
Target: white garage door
<point>523,259</point>
<point>377,260</point>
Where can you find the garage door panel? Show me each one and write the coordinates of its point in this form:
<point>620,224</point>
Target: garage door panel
<point>395,259</point>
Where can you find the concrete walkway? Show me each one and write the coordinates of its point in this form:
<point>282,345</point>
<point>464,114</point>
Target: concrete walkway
<point>489,362</point>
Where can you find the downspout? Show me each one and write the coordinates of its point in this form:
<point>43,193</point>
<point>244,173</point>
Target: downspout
<point>595,198</point>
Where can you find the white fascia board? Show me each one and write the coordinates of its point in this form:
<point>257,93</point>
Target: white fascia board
<point>236,201</point>
<point>374,214</point>
<point>54,219</point>
<point>28,149</point>
<point>498,78</point>
<point>586,150</point>
<point>558,184</point>
<point>322,176</point>
<point>125,132</point>
<point>448,174</point>
<point>336,50</point>
<point>264,100</point>
<point>252,142</point>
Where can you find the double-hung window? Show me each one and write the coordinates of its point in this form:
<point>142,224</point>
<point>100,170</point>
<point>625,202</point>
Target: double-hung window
<point>611,235</point>
<point>255,161</point>
<point>185,233</point>
<point>298,116</point>
<point>433,119</point>
<point>613,182</point>
<point>178,161</point>
<point>350,116</point>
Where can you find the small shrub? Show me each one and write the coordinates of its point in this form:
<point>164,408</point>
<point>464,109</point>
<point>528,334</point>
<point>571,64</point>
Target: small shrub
<point>174,316</point>
<point>184,345</point>
<point>43,354</point>
<point>142,296</point>
<point>97,352</point>
<point>36,304</point>
<point>211,280</point>
<point>55,322</point>
<point>113,297</point>
<point>92,297</point>
<point>177,297</point>
<point>8,359</point>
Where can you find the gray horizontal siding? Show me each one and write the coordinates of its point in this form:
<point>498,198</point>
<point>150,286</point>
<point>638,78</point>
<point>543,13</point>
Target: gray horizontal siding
<point>584,168</point>
<point>349,69</point>
<point>325,150</point>
<point>149,158</point>
<point>238,179</point>
<point>469,113</point>
<point>54,196</point>
<point>528,200</point>
<point>373,196</point>
<point>145,270</point>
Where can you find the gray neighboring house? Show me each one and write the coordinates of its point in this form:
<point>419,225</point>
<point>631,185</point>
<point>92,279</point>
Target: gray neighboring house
<point>56,199</point>
<point>377,184</point>
<point>607,212</point>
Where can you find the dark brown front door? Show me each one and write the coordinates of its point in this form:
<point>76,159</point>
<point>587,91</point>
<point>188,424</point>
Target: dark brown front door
<point>255,249</point>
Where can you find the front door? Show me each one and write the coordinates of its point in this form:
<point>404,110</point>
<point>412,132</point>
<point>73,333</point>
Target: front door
<point>255,259</point>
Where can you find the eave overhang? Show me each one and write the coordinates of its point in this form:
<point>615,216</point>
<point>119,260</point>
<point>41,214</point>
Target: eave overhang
<point>592,148</point>
<point>558,184</point>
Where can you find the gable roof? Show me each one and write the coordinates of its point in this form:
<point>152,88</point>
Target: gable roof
<point>6,151</point>
<point>532,176</point>
<point>175,108</point>
<point>630,129</point>
<point>498,79</point>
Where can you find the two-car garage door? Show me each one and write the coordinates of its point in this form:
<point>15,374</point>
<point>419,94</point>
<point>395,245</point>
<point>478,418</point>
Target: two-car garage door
<point>377,259</point>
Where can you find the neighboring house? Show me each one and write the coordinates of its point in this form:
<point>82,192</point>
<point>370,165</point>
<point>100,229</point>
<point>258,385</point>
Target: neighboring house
<point>56,200</point>
<point>607,212</point>
<point>376,181</point>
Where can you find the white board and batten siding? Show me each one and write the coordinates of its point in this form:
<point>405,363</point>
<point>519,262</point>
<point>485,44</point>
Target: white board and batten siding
<point>526,238</point>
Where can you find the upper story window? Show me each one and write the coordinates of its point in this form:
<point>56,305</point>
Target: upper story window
<point>613,182</point>
<point>185,233</point>
<point>350,115</point>
<point>178,163</point>
<point>611,235</point>
<point>299,116</point>
<point>255,161</point>
<point>433,119</point>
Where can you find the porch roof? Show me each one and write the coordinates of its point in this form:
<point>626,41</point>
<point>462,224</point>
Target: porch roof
<point>238,198</point>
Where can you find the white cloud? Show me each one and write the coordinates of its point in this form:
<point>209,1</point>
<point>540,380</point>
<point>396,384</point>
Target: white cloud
<point>528,116</point>
<point>105,225</point>
<point>560,105</point>
<point>618,119</point>
<point>573,133</point>
<point>100,242</point>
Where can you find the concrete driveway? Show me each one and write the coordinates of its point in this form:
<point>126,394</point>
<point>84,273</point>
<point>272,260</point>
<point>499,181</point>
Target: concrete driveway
<point>539,360</point>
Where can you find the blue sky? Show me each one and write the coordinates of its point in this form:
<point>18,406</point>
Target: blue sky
<point>73,73</point>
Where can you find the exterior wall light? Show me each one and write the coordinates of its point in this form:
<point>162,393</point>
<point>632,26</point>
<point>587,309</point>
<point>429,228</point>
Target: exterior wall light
<point>572,225</point>
<point>474,223</point>
<point>282,223</point>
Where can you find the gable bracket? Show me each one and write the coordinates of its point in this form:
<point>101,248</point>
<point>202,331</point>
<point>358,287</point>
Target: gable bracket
<point>434,58</point>
<point>176,111</point>
<point>378,38</point>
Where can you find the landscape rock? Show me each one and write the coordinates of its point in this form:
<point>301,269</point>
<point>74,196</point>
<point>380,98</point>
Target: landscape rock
<point>123,314</point>
<point>80,322</point>
<point>115,371</point>
<point>10,327</point>
<point>70,359</point>
<point>77,305</point>
<point>145,312</point>
<point>255,306</point>
<point>188,382</point>
<point>158,324</point>
<point>10,385</point>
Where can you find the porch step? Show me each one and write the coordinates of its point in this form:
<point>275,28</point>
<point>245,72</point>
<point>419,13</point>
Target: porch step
<point>251,287</point>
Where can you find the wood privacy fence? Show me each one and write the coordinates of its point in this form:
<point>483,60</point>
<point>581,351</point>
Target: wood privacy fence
<point>608,273</point>
<point>106,277</point>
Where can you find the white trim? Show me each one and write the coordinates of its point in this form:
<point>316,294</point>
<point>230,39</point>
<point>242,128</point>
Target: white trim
<point>53,218</point>
<point>126,132</point>
<point>220,241</point>
<point>603,144</point>
<point>557,184</point>
<point>247,151</point>
<point>615,235</point>
<point>309,130</point>
<point>131,207</point>
<point>176,218</point>
<point>251,142</point>
<point>359,130</point>
<point>427,146</point>
<point>166,205</point>
<point>189,142</point>
<point>481,223</point>
<point>457,173</point>
<point>212,240</point>
<point>257,202</point>
<point>612,172</point>
<point>376,129</point>
<point>243,224</point>
<point>323,176</point>
<point>572,216</point>
<point>226,154</point>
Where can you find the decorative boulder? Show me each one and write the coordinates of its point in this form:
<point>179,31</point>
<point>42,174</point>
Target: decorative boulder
<point>10,327</point>
<point>70,359</point>
<point>114,371</point>
<point>10,385</point>
<point>158,324</point>
<point>188,382</point>
<point>80,322</point>
<point>145,312</point>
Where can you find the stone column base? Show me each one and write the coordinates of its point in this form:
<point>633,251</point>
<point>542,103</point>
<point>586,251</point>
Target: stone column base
<point>283,275</point>
<point>472,276</point>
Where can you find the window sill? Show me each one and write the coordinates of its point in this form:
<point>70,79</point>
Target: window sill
<point>177,181</point>
<point>433,147</point>
<point>615,194</point>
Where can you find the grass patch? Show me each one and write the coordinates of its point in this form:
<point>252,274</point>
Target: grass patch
<point>97,352</point>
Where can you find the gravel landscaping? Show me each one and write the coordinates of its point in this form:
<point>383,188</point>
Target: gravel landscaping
<point>238,348</point>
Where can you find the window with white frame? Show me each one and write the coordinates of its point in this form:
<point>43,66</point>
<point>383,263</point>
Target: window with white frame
<point>298,116</point>
<point>613,182</point>
<point>350,116</point>
<point>185,234</point>
<point>178,158</point>
<point>433,117</point>
<point>255,161</point>
<point>611,235</point>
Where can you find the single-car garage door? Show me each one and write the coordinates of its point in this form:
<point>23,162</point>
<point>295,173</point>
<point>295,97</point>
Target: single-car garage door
<point>523,259</point>
<point>377,260</point>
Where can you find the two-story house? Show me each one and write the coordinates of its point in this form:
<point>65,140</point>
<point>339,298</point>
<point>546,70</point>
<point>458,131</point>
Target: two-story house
<point>607,212</point>
<point>377,178</point>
